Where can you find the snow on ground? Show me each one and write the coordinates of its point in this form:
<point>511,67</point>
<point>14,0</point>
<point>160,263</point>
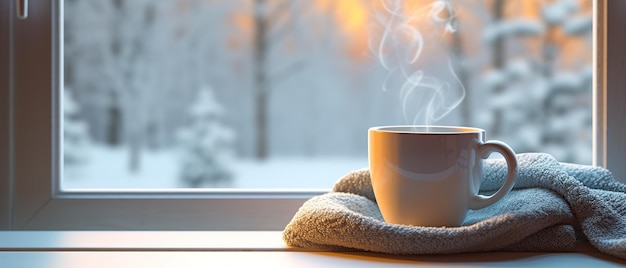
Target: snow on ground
<point>108,168</point>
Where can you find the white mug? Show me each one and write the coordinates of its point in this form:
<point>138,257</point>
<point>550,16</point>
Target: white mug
<point>430,175</point>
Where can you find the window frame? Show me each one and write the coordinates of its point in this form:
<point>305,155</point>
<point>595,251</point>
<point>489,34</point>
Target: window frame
<point>30,200</point>
<point>609,132</point>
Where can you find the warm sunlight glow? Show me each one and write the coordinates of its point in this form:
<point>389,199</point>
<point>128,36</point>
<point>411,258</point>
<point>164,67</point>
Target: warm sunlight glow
<point>351,16</point>
<point>353,20</point>
<point>245,24</point>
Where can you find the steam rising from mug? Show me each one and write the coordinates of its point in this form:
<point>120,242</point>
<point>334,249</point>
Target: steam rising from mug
<point>426,97</point>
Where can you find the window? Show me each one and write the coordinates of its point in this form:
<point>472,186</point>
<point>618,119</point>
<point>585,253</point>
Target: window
<point>215,94</point>
<point>31,198</point>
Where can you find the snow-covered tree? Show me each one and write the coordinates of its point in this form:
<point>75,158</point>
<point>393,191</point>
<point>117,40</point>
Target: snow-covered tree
<point>75,136</point>
<point>273,23</point>
<point>538,82</point>
<point>136,63</point>
<point>206,144</point>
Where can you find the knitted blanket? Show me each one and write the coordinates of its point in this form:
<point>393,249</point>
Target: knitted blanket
<point>552,205</point>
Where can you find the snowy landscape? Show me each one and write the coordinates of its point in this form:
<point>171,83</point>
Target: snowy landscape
<point>280,93</point>
<point>110,172</point>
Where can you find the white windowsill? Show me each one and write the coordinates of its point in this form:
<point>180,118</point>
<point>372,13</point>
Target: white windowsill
<point>240,249</point>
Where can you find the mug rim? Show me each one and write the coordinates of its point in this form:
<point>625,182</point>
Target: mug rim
<point>427,129</point>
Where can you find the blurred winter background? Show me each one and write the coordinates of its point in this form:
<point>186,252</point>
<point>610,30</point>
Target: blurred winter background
<point>280,93</point>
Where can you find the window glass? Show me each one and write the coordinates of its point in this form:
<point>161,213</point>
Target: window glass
<point>280,93</point>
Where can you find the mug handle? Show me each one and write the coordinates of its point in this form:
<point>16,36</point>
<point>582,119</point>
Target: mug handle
<point>484,150</point>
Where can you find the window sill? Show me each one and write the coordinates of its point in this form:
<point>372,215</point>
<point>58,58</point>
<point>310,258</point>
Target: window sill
<point>240,249</point>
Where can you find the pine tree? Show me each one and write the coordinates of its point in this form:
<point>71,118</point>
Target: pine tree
<point>75,135</point>
<point>206,144</point>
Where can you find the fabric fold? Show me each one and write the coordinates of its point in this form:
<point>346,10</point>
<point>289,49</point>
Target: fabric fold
<point>551,205</point>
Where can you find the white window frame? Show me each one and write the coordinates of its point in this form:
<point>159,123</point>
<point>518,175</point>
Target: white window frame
<point>30,199</point>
